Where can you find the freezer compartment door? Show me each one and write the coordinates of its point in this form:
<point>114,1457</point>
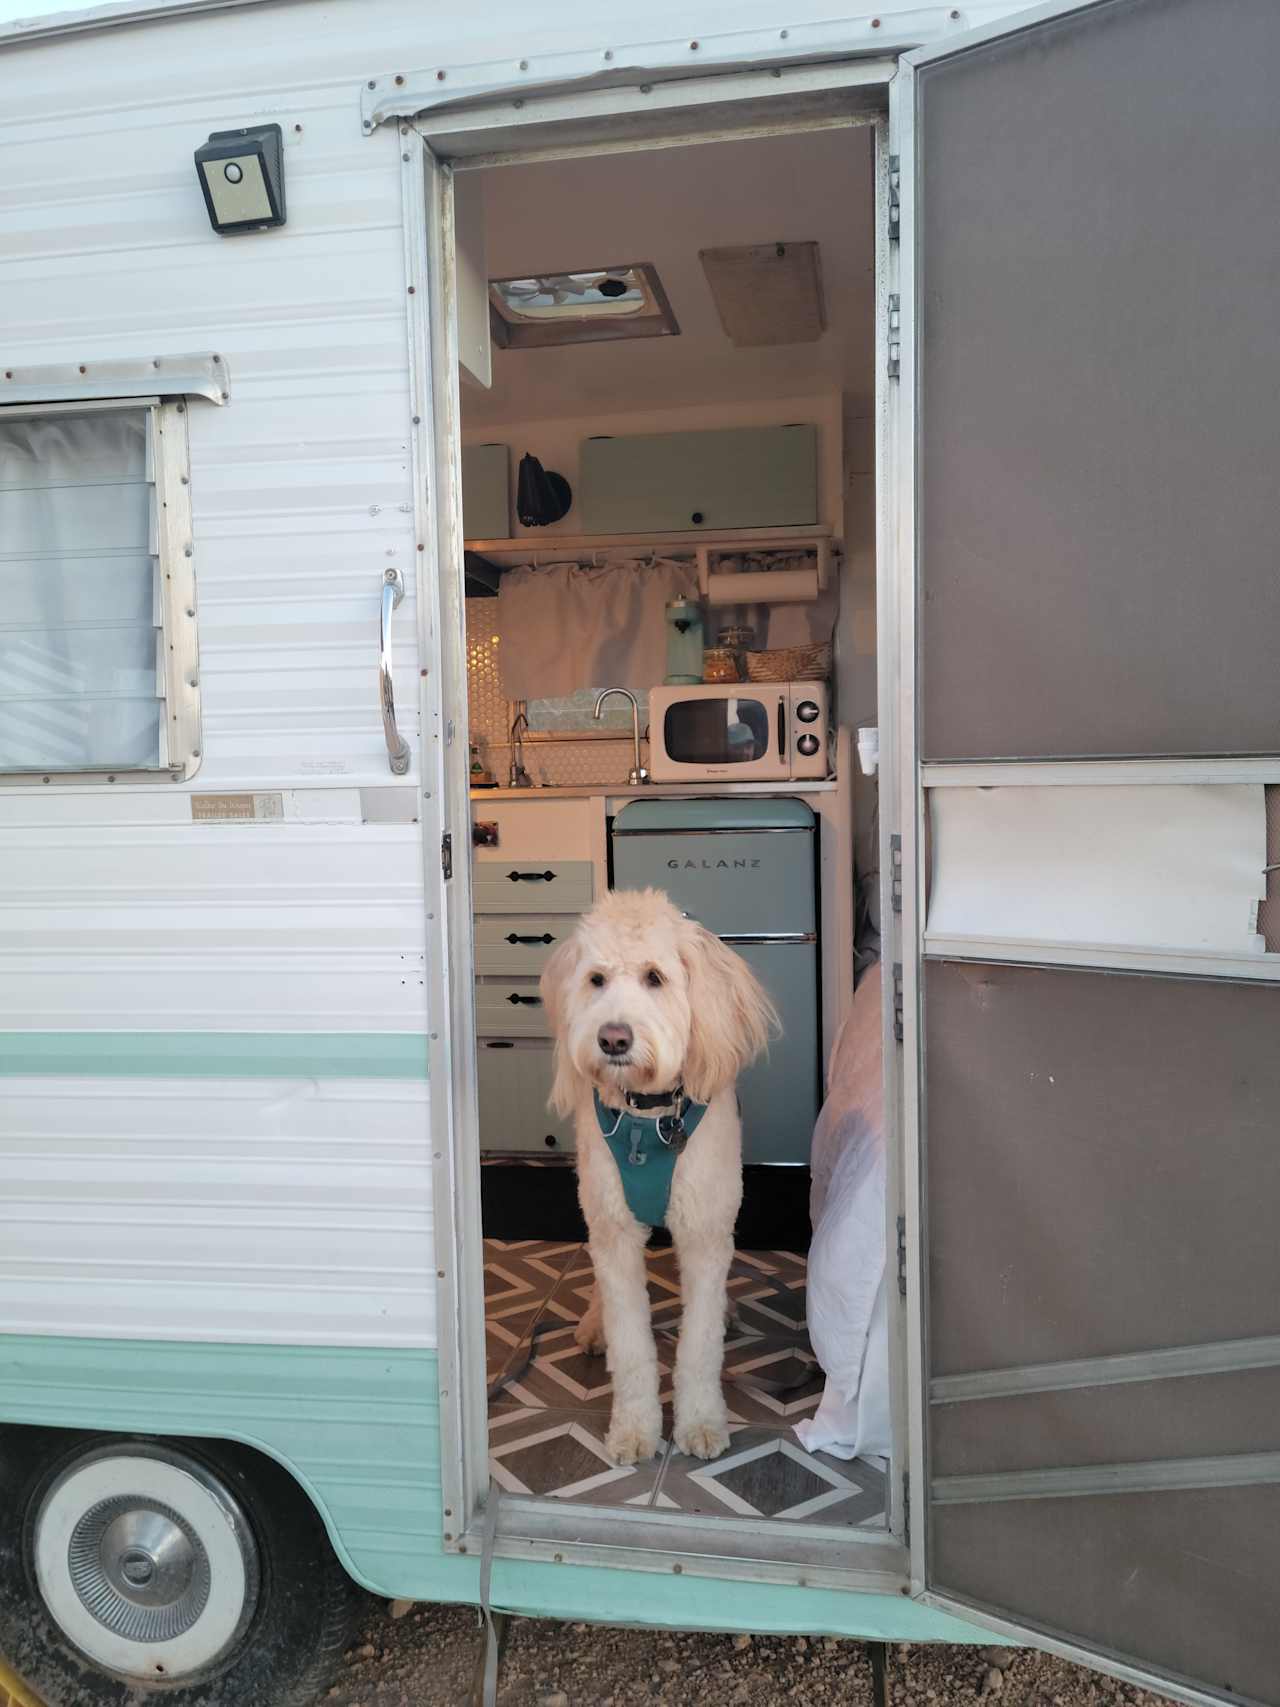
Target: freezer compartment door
<point>735,882</point>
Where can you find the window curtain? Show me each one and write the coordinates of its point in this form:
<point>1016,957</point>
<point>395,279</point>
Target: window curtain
<point>570,626</point>
<point>80,682</point>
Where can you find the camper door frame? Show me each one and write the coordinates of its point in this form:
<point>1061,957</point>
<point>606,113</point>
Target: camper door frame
<point>766,100</point>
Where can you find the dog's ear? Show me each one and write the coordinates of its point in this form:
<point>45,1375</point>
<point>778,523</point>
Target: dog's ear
<point>557,975</point>
<point>731,1017</point>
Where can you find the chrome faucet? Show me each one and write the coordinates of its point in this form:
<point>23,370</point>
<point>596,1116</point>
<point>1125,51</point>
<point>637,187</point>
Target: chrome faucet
<point>517,775</point>
<point>638,773</point>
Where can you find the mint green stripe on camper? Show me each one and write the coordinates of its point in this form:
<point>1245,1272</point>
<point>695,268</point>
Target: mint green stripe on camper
<point>216,1054</point>
<point>359,1428</point>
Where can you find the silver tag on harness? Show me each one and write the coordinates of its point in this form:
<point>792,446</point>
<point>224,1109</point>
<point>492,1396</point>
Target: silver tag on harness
<point>671,1130</point>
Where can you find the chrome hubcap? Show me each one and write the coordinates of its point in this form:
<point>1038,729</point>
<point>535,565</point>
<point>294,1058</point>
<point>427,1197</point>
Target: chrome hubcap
<point>146,1562</point>
<point>139,1568</point>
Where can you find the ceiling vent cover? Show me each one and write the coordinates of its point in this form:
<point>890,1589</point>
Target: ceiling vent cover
<point>767,293</point>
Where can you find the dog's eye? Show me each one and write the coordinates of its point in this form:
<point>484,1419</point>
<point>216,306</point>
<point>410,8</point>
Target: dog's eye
<point>653,978</point>
<point>598,979</point>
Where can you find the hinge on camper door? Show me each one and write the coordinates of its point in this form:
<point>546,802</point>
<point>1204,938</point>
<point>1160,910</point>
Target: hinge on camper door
<point>895,207</point>
<point>897,1001</point>
<point>902,1255</point>
<point>895,336</point>
<point>446,856</point>
<point>895,873</point>
<point>906,1508</point>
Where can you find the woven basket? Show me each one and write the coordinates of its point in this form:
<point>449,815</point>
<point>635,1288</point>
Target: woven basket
<point>790,664</point>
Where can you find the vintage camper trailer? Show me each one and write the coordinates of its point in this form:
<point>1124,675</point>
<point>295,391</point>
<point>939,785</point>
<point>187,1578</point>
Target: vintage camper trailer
<point>926,359</point>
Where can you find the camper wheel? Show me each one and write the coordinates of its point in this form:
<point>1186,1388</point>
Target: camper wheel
<point>197,1569</point>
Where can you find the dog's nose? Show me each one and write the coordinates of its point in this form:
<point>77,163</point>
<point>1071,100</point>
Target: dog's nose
<point>615,1039</point>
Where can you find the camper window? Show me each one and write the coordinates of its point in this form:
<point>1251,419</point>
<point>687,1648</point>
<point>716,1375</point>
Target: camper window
<point>97,613</point>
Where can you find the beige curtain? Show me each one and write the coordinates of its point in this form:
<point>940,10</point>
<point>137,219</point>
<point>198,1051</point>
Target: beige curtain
<point>570,626</point>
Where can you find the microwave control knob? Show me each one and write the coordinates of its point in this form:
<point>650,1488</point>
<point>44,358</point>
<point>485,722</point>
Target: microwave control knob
<point>807,712</point>
<point>808,745</point>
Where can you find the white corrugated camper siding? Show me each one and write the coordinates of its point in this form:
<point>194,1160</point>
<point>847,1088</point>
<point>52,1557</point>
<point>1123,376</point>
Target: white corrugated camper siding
<point>218,1203</point>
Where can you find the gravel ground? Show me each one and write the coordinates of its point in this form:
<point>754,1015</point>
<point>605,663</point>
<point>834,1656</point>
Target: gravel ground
<point>427,1659</point>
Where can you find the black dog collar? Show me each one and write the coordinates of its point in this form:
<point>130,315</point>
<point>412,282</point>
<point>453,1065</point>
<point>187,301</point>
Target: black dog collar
<point>657,1099</point>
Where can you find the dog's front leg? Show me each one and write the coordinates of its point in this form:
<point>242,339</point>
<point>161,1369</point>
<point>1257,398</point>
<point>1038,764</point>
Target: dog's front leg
<point>702,1424</point>
<point>635,1427</point>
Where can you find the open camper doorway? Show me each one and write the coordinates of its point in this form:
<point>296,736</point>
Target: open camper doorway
<point>696,235</point>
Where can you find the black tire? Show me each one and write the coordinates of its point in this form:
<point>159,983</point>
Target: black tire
<point>290,1648</point>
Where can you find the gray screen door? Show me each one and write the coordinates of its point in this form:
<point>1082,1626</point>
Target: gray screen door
<point>1090,267</point>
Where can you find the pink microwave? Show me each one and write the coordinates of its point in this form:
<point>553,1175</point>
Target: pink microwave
<point>739,732</point>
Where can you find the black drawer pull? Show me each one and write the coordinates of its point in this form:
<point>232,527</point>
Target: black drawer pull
<point>532,876</point>
<point>525,1001</point>
<point>531,941</point>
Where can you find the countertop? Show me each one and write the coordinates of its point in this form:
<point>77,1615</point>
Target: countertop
<point>652,791</point>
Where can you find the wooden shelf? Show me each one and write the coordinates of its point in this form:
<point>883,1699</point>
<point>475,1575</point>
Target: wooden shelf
<point>727,539</point>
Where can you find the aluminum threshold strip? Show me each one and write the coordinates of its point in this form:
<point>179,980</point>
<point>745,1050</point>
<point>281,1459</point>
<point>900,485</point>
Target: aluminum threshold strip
<point>745,1550</point>
<point>1246,1469</point>
<point>1225,1358</point>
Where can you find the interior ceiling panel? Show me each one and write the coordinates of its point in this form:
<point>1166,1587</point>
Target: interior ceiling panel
<point>664,206</point>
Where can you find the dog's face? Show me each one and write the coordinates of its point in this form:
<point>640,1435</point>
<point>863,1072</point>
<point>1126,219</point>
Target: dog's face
<point>641,999</point>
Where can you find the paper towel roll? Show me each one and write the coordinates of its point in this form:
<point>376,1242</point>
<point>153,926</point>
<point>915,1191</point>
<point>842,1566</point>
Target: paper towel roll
<point>764,587</point>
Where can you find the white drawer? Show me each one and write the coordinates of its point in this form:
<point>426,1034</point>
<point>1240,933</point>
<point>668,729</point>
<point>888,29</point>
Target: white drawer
<point>532,885</point>
<point>510,1007</point>
<point>520,944</point>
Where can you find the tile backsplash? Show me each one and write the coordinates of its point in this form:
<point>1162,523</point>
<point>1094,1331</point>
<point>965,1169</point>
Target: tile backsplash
<point>558,763</point>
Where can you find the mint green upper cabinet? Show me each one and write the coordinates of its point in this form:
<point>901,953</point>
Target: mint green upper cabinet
<point>486,491</point>
<point>735,477</point>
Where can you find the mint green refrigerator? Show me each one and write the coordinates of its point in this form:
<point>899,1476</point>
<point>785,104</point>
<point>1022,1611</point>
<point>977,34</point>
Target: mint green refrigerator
<point>746,868</point>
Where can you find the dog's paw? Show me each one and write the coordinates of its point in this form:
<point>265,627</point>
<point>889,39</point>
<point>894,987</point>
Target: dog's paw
<point>631,1442</point>
<point>703,1438</point>
<point>588,1336</point>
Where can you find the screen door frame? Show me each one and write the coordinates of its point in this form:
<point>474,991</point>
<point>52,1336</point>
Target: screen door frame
<point>905,783</point>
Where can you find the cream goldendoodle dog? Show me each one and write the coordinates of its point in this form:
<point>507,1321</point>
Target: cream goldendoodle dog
<point>653,1019</point>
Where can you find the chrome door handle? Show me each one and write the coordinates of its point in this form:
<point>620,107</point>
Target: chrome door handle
<point>397,746</point>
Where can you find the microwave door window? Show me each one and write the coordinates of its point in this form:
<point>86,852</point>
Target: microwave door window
<point>716,731</point>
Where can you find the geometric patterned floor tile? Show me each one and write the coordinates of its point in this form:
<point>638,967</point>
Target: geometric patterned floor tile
<point>766,1473</point>
<point>561,1454</point>
<point>548,1420</point>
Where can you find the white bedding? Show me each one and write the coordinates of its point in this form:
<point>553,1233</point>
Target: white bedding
<point>847,1301</point>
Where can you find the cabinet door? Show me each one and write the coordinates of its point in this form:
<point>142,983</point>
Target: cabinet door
<point>515,1082</point>
<point>738,477</point>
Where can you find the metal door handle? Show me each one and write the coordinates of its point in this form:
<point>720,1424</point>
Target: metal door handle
<point>532,876</point>
<point>782,726</point>
<point>397,746</point>
<point>531,941</point>
<point>525,1001</point>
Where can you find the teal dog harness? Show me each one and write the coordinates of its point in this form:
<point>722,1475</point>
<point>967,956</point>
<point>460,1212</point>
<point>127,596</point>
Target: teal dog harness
<point>647,1147</point>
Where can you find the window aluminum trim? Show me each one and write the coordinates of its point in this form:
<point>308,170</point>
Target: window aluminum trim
<point>133,377</point>
<point>169,464</point>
